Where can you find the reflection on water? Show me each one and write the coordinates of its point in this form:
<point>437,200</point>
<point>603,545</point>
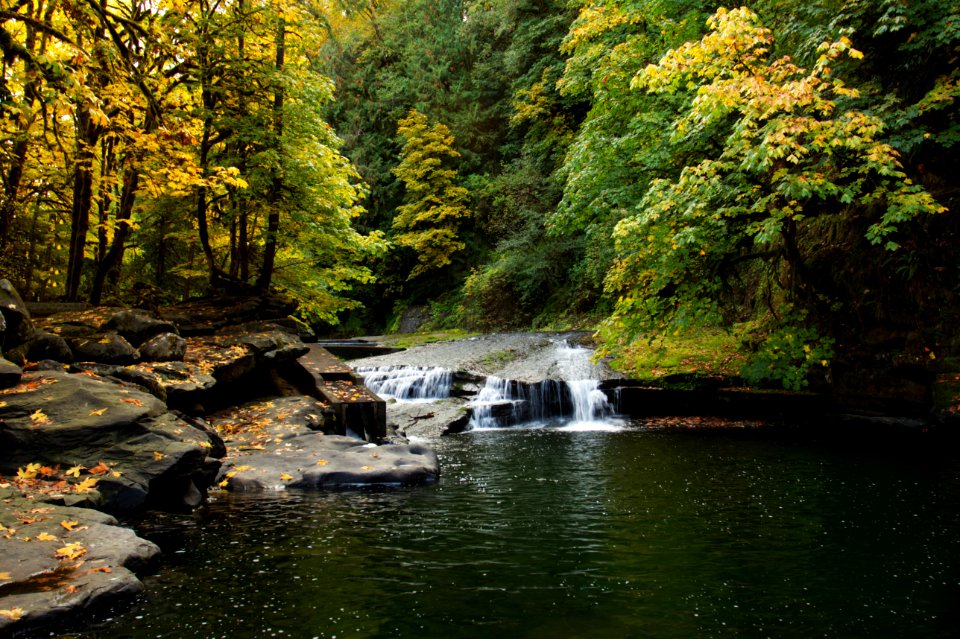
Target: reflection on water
<point>546,534</point>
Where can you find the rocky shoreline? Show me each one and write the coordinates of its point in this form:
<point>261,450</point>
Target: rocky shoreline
<point>106,413</point>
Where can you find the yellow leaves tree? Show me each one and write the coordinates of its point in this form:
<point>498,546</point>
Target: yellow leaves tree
<point>782,153</point>
<point>429,222</point>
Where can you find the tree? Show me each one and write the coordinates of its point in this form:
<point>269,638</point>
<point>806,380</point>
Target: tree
<point>430,220</point>
<point>795,158</point>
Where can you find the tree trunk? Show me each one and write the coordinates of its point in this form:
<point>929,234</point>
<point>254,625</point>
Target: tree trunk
<point>114,255</point>
<point>276,185</point>
<point>82,203</point>
<point>8,206</point>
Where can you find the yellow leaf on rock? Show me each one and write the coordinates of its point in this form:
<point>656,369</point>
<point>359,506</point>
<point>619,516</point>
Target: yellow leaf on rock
<point>74,471</point>
<point>71,551</point>
<point>30,472</point>
<point>4,576</point>
<point>38,417</point>
<point>98,412</point>
<point>286,477</point>
<point>322,462</point>
<point>69,525</point>
<point>366,468</point>
<point>46,537</point>
<point>12,614</point>
<point>157,455</point>
<point>86,485</point>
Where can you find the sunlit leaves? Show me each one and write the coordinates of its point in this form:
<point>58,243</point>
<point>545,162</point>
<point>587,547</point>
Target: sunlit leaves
<point>85,486</point>
<point>429,222</point>
<point>71,551</point>
<point>13,614</point>
<point>787,146</point>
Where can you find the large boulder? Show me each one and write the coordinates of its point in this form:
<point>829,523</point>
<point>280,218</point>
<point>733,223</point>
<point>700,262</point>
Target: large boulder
<point>138,326</point>
<point>106,348</point>
<point>10,373</point>
<point>55,418</point>
<point>165,347</point>
<point>53,571</point>
<point>42,345</point>
<point>18,327</point>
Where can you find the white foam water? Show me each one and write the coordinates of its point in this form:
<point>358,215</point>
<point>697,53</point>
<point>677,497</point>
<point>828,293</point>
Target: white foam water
<point>408,383</point>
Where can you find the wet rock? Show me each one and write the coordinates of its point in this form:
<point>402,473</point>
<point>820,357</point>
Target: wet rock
<point>524,357</point>
<point>43,346</point>
<point>209,315</point>
<point>76,419</point>
<point>97,569</point>
<point>46,345</point>
<point>145,379</point>
<point>138,326</point>
<point>284,450</point>
<point>78,323</point>
<point>182,384</point>
<point>166,347</point>
<point>432,419</point>
<point>10,373</point>
<point>18,327</point>
<point>107,348</point>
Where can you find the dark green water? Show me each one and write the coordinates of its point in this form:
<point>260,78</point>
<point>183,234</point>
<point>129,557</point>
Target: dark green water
<point>549,534</point>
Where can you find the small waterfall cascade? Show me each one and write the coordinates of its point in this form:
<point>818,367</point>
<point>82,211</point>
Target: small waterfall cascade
<point>408,383</point>
<point>574,401</point>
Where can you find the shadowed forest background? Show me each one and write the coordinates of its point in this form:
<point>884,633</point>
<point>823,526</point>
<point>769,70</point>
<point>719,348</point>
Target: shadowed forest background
<point>775,182</point>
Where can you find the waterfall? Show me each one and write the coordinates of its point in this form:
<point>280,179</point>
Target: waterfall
<point>573,402</point>
<point>408,383</point>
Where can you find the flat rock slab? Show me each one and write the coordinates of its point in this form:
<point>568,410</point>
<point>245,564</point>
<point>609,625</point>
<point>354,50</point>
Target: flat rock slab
<point>524,357</point>
<point>289,452</point>
<point>64,420</point>
<point>323,365</point>
<point>429,419</point>
<point>58,561</point>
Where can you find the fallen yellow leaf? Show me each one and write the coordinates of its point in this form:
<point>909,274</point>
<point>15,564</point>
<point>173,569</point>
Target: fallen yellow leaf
<point>69,525</point>
<point>98,412</point>
<point>157,455</point>
<point>74,471</point>
<point>12,614</point>
<point>286,477</point>
<point>4,576</point>
<point>30,472</point>
<point>38,417</point>
<point>366,468</point>
<point>46,537</point>
<point>86,485</point>
<point>322,462</point>
<point>71,551</point>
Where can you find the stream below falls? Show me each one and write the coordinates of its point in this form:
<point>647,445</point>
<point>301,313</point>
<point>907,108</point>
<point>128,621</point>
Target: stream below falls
<point>555,519</point>
<point>547,533</point>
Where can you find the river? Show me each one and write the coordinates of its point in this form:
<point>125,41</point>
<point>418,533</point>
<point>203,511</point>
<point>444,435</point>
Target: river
<point>545,533</point>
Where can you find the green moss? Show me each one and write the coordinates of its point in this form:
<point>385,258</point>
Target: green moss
<point>699,352</point>
<point>406,340</point>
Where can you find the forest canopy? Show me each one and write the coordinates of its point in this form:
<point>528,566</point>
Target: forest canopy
<point>783,171</point>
